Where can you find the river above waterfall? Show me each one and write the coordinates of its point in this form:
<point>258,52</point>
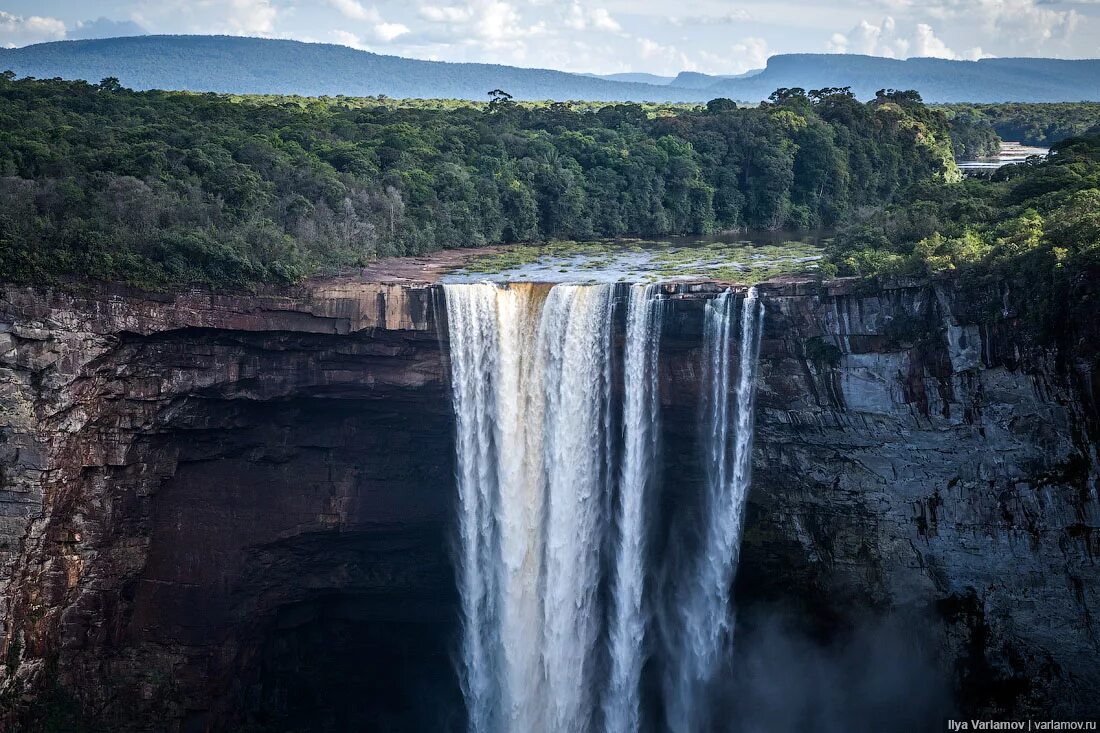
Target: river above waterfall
<point>745,257</point>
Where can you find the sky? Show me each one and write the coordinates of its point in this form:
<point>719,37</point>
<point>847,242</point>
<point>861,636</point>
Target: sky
<point>598,36</point>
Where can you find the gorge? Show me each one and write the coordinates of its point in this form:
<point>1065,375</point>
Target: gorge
<point>241,512</point>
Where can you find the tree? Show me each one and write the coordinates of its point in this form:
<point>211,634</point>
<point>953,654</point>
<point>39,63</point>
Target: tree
<point>500,101</point>
<point>908,97</point>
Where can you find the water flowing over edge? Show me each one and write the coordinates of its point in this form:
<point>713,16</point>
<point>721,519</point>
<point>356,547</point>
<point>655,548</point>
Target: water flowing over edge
<point>622,706</point>
<point>532,395</point>
<point>703,615</point>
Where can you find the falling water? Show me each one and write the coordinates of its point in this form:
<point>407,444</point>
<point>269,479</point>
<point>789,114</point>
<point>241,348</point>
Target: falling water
<point>473,327</point>
<point>703,615</point>
<point>540,493</point>
<point>576,326</point>
<point>531,373</point>
<point>640,406</point>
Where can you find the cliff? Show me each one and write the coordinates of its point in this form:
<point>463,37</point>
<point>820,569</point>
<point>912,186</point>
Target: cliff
<point>215,509</point>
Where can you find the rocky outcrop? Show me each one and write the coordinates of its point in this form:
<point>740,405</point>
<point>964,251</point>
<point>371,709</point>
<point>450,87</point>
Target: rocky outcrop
<point>219,512</point>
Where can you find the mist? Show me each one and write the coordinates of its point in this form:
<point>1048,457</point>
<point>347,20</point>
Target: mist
<point>879,675</point>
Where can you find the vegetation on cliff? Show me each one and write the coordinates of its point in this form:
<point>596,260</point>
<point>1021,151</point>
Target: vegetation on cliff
<point>1034,226</point>
<point>164,188</point>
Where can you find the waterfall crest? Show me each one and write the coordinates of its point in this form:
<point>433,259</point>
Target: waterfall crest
<point>551,501</point>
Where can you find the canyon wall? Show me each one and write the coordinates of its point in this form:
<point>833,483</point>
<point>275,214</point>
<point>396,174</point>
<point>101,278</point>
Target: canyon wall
<point>220,512</point>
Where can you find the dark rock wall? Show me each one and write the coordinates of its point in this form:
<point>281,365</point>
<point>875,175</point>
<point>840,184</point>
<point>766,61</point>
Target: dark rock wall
<point>918,455</point>
<point>229,512</point>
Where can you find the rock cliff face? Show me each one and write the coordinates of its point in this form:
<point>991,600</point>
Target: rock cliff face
<point>918,454</point>
<point>223,512</point>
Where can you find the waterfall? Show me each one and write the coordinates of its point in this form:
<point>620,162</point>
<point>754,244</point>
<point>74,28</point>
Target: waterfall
<point>703,617</point>
<point>531,384</point>
<point>549,499</point>
<point>640,407</point>
<point>473,329</point>
<point>576,328</point>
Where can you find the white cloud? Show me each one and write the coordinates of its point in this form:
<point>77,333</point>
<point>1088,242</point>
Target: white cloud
<point>578,18</point>
<point>602,20</point>
<point>1029,27</point>
<point>387,32</point>
<point>888,40</point>
<point>731,17</point>
<point>249,16</point>
<point>379,30</point>
<point>232,17</point>
<point>444,14</point>
<point>355,10</point>
<point>17,30</point>
<point>752,53</point>
<point>492,31</point>
<point>925,43</point>
<point>746,54</point>
<point>378,33</point>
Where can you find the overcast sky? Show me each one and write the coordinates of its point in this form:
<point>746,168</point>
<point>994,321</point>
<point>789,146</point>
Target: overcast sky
<point>603,36</point>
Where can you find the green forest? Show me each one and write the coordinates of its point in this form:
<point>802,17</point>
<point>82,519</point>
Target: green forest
<point>1034,225</point>
<point>166,188</point>
<point>162,189</point>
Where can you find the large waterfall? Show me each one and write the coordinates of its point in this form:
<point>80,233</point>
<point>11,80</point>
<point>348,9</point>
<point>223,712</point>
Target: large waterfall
<point>555,474</point>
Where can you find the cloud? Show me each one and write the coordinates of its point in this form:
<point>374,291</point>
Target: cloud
<point>886,39</point>
<point>445,14</point>
<point>249,16</point>
<point>17,30</point>
<point>378,33</point>
<point>354,9</point>
<point>492,31</point>
<point>579,19</point>
<point>752,53</point>
<point>232,17</point>
<point>731,17</point>
<point>1032,27</point>
<point>746,54</point>
<point>386,32</point>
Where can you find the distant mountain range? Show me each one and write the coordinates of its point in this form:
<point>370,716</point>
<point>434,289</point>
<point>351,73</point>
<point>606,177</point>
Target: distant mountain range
<point>254,65</point>
<point>938,80</point>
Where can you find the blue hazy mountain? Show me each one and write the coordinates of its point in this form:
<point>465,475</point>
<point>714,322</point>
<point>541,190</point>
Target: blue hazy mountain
<point>696,80</point>
<point>938,80</point>
<point>253,65</point>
